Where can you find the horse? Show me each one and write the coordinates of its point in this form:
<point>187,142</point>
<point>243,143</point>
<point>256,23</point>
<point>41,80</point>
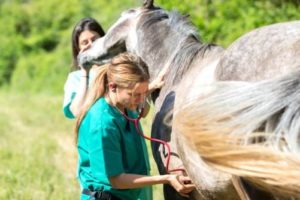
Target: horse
<point>231,116</point>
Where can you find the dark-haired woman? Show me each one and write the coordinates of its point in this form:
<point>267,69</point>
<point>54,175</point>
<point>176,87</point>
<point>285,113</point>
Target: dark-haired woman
<point>84,33</point>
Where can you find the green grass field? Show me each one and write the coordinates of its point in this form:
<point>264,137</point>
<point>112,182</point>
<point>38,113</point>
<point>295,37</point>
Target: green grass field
<point>37,149</point>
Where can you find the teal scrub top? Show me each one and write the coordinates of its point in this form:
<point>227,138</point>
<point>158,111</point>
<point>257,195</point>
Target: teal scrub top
<point>109,145</point>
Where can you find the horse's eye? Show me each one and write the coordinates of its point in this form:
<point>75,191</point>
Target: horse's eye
<point>128,12</point>
<point>131,11</point>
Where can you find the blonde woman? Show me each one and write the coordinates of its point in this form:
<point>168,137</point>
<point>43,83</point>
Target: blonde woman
<point>113,159</point>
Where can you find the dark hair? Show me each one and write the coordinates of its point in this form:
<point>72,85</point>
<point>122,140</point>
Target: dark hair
<point>84,24</point>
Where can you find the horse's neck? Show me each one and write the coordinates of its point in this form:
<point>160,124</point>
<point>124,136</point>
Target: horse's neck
<point>204,58</point>
<point>162,50</point>
<point>201,70</point>
<point>159,59</point>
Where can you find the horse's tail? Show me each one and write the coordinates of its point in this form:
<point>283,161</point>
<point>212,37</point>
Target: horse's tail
<point>248,129</point>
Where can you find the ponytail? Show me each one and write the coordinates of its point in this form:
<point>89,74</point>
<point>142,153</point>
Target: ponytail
<point>97,90</point>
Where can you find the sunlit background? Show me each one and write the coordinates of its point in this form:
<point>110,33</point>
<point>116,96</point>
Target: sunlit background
<point>37,149</point>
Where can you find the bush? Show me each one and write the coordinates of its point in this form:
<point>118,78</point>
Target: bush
<point>222,22</point>
<point>36,34</point>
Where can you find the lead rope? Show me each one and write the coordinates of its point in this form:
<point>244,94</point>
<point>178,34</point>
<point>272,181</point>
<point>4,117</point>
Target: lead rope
<point>165,144</point>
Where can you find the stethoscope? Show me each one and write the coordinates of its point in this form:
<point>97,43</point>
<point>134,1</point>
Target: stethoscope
<point>140,132</point>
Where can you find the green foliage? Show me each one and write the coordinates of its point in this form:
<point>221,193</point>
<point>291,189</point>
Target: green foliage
<point>41,71</point>
<point>36,39</point>
<point>222,22</point>
<point>35,50</point>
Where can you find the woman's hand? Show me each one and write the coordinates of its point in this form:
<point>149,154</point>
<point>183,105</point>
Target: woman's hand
<point>182,184</point>
<point>85,68</point>
<point>157,82</point>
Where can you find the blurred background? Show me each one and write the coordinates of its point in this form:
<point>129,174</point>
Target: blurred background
<point>37,148</point>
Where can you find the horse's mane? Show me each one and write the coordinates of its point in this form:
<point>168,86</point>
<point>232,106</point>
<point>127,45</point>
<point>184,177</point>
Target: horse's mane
<point>188,42</point>
<point>180,23</point>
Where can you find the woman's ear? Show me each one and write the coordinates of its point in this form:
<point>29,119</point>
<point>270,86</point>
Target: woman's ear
<point>112,87</point>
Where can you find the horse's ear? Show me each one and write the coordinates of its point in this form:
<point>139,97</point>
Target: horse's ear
<point>148,4</point>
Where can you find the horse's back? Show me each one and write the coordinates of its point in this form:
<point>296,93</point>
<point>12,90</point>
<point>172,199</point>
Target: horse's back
<point>263,53</point>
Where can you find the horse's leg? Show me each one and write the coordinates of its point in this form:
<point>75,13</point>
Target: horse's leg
<point>161,129</point>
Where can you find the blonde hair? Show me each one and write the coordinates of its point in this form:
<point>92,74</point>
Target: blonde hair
<point>125,70</point>
<point>247,129</point>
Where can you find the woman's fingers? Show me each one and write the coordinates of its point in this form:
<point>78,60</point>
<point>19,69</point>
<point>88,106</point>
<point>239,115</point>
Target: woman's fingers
<point>184,179</point>
<point>85,48</point>
<point>182,184</point>
<point>188,188</point>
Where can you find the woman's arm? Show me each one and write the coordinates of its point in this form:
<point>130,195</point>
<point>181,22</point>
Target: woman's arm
<point>157,83</point>
<point>181,184</point>
<point>81,93</point>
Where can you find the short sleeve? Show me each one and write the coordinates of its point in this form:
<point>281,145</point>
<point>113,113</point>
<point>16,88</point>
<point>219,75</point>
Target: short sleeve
<point>69,94</point>
<point>105,151</point>
<point>66,108</point>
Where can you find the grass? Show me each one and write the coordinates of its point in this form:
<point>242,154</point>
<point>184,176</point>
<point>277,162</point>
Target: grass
<point>37,151</point>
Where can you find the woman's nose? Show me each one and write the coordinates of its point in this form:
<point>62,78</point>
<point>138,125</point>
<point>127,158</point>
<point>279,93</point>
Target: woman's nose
<point>142,98</point>
<point>86,46</point>
<point>89,44</point>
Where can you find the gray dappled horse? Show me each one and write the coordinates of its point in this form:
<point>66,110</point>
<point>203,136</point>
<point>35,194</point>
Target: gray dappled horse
<point>234,108</point>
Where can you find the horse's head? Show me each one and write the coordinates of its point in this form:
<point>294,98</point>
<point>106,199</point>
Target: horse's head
<point>152,33</point>
<point>120,37</point>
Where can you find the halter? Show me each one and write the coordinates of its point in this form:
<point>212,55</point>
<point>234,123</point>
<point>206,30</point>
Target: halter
<point>140,132</point>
